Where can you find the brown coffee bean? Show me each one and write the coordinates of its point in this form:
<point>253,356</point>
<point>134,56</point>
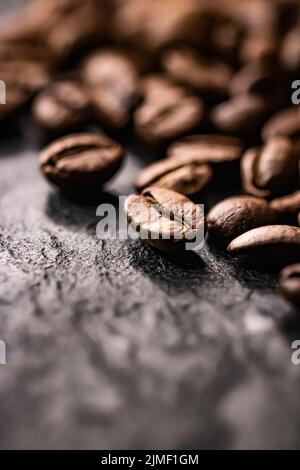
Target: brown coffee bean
<point>185,65</point>
<point>75,26</point>
<point>271,170</point>
<point>255,77</point>
<point>242,115</point>
<point>272,246</point>
<point>259,45</point>
<point>22,80</point>
<point>289,283</point>
<point>165,219</point>
<point>188,179</point>
<point>213,149</point>
<point>284,123</point>
<point>112,76</point>
<point>168,110</point>
<point>290,51</point>
<point>153,24</point>
<point>238,214</point>
<point>81,162</point>
<point>62,106</point>
<point>287,207</point>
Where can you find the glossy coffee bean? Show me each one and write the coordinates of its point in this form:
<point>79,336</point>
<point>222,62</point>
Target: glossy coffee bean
<point>81,162</point>
<point>270,170</point>
<point>209,78</point>
<point>167,111</point>
<point>290,51</point>
<point>273,246</point>
<point>285,123</point>
<point>207,148</point>
<point>63,105</point>
<point>241,115</point>
<point>259,45</point>
<point>238,214</point>
<point>184,178</point>
<point>289,283</point>
<point>112,78</point>
<point>287,207</point>
<point>165,219</point>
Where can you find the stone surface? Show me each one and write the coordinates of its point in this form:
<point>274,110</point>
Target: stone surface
<point>113,345</point>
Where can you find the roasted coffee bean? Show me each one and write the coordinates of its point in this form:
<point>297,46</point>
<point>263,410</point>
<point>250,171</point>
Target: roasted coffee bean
<point>289,283</point>
<point>270,170</point>
<point>255,77</point>
<point>188,179</point>
<point>112,76</point>
<point>168,110</point>
<point>284,123</point>
<point>287,207</point>
<point>259,45</point>
<point>238,214</point>
<point>81,162</point>
<point>213,149</point>
<point>209,78</point>
<point>272,246</point>
<point>242,115</point>
<point>22,80</point>
<point>290,51</point>
<point>153,24</point>
<point>165,219</point>
<point>62,106</point>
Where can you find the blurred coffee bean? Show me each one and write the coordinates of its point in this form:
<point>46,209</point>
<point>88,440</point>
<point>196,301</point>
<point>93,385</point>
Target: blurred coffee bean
<point>165,219</point>
<point>81,164</point>
<point>242,115</point>
<point>289,283</point>
<point>184,178</point>
<point>209,78</point>
<point>258,77</point>
<point>22,80</point>
<point>259,45</point>
<point>290,51</point>
<point>167,111</point>
<point>62,106</point>
<point>270,170</point>
<point>112,78</point>
<point>273,246</point>
<point>214,149</point>
<point>284,123</point>
<point>153,24</point>
<point>287,207</point>
<point>238,214</point>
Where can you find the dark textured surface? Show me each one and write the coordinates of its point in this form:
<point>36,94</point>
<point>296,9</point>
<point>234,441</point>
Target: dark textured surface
<point>111,345</point>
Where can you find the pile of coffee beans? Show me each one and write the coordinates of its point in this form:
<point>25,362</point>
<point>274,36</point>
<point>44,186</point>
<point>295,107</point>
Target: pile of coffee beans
<point>207,85</point>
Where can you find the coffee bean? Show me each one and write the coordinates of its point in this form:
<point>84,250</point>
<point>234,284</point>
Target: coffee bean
<point>272,246</point>
<point>62,106</point>
<point>284,123</point>
<point>256,77</point>
<point>209,78</point>
<point>22,80</point>
<point>168,110</point>
<point>290,51</point>
<point>236,215</point>
<point>81,162</point>
<point>165,219</point>
<point>188,179</point>
<point>270,170</point>
<point>112,76</point>
<point>213,149</point>
<point>289,283</point>
<point>259,45</point>
<point>153,24</point>
<point>287,207</point>
<point>241,115</point>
